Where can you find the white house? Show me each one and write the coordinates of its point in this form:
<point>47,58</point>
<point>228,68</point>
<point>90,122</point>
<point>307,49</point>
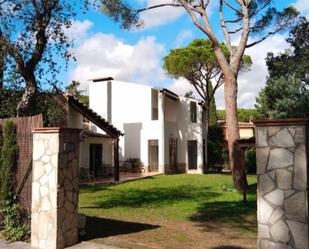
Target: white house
<point>161,129</point>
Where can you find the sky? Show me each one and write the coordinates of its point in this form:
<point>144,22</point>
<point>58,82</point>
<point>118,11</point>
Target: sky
<point>103,49</point>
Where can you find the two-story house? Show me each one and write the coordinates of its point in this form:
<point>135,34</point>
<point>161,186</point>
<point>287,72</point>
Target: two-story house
<point>161,129</point>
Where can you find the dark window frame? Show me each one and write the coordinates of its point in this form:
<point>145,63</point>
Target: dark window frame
<point>193,111</point>
<point>154,109</point>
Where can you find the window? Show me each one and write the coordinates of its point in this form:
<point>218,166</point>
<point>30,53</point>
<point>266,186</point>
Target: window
<point>154,104</point>
<point>193,112</point>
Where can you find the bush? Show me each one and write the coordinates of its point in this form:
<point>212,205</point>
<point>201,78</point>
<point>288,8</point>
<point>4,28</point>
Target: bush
<point>134,165</point>
<point>12,219</point>
<point>250,160</point>
<point>13,224</point>
<point>215,146</point>
<point>9,153</point>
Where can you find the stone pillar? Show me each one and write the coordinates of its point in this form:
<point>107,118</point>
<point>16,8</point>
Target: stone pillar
<point>54,211</point>
<point>282,148</point>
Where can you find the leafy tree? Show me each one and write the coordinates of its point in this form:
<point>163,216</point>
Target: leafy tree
<point>32,34</point>
<point>251,17</point>
<point>212,119</point>
<point>46,103</point>
<point>283,98</point>
<point>243,114</point>
<point>198,64</point>
<point>286,92</point>
<point>292,61</point>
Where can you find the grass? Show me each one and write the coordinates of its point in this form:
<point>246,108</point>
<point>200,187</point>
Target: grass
<point>205,201</point>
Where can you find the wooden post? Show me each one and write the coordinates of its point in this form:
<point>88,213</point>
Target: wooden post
<point>243,168</point>
<point>116,159</point>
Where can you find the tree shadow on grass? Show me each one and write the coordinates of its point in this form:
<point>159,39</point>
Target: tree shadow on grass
<point>236,213</point>
<point>155,196</point>
<point>101,227</point>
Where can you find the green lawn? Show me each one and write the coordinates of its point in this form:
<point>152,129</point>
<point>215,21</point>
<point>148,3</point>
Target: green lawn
<point>203,201</point>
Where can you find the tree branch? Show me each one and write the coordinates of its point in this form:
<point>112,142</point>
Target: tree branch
<point>158,6</point>
<point>260,40</point>
<point>233,8</point>
<point>226,33</point>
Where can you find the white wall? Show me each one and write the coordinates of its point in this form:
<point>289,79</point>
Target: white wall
<point>131,113</point>
<point>75,119</point>
<point>130,107</point>
<point>189,131</point>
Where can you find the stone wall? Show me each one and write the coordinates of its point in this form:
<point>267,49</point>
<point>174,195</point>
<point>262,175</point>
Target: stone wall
<point>282,168</point>
<point>54,212</point>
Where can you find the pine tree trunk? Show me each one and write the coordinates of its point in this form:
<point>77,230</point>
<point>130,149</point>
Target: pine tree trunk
<point>230,94</point>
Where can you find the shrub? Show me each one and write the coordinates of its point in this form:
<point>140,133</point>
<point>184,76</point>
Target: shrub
<point>9,153</point>
<point>135,165</point>
<point>250,160</point>
<point>13,224</point>
<point>12,219</point>
<point>215,146</point>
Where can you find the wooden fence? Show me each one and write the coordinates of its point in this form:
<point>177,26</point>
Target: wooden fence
<point>24,128</point>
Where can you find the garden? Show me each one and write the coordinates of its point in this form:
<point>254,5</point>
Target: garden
<point>171,211</point>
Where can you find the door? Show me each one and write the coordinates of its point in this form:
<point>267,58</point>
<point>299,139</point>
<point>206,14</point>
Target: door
<point>95,160</point>
<point>192,154</point>
<point>153,155</point>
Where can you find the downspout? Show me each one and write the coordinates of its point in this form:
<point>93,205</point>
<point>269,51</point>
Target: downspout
<point>163,131</point>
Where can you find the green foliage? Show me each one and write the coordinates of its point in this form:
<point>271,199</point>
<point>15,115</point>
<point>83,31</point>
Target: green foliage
<point>45,102</point>
<point>9,100</point>
<point>212,119</point>
<point>84,99</point>
<point>12,220</point>
<point>215,146</point>
<point>283,98</point>
<point>292,62</point>
<point>73,89</point>
<point>244,115</point>
<point>13,225</point>
<point>8,164</point>
<point>250,160</point>
<point>54,115</point>
<point>181,61</point>
<point>120,11</point>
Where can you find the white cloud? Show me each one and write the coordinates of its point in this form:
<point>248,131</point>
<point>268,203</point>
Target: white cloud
<point>303,7</point>
<point>160,16</point>
<point>103,55</point>
<point>181,86</point>
<point>183,36</point>
<point>78,30</point>
<point>163,15</point>
<point>250,83</point>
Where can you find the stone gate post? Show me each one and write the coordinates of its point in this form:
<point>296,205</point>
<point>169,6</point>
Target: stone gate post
<point>54,211</point>
<point>282,148</point>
